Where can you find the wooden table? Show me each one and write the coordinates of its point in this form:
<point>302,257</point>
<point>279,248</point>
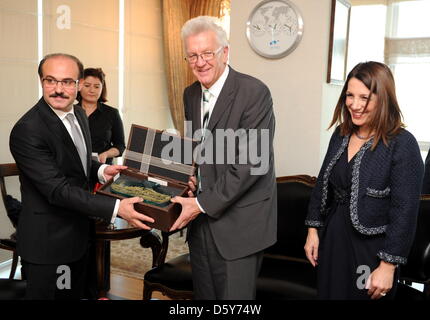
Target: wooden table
<point>120,231</point>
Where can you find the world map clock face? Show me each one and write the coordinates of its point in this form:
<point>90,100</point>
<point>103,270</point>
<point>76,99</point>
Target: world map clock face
<point>274,28</point>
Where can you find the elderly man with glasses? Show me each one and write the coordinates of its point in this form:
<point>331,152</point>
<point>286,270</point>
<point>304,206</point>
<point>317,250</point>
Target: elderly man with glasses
<point>232,218</point>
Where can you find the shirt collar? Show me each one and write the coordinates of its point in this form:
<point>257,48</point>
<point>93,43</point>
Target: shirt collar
<point>216,88</point>
<point>61,114</point>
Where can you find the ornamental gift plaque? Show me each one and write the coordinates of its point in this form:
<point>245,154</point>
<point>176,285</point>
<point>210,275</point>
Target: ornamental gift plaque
<point>159,166</point>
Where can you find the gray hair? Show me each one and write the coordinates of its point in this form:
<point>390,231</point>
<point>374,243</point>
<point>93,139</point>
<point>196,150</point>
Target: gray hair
<point>201,24</point>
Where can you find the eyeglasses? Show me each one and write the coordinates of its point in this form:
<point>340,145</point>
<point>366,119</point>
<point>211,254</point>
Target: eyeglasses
<point>206,56</point>
<point>66,83</point>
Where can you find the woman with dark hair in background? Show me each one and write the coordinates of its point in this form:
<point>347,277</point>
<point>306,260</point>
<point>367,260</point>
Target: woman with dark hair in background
<point>107,138</point>
<point>107,131</point>
<point>363,210</point>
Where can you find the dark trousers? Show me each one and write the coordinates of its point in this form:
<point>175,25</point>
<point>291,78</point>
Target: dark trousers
<point>55,282</point>
<point>215,278</point>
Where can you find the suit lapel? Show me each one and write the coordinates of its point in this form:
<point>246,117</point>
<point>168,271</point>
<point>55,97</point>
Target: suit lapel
<point>197,105</point>
<point>224,100</point>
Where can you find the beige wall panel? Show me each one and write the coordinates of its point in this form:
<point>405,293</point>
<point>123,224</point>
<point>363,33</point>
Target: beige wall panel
<point>145,54</point>
<point>145,18</point>
<point>148,91</point>
<point>22,6</point>
<point>16,25</point>
<point>95,13</point>
<point>148,117</point>
<point>145,83</point>
<point>92,46</point>
<point>112,86</point>
<point>93,36</point>
<point>18,89</point>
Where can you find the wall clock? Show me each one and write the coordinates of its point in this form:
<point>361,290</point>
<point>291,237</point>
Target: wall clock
<point>274,28</point>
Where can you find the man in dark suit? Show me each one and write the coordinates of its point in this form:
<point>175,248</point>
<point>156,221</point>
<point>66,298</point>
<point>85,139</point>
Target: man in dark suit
<point>233,218</point>
<point>52,149</point>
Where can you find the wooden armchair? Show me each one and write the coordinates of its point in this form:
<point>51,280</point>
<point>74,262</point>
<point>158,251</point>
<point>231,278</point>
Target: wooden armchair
<point>171,278</point>
<point>8,170</point>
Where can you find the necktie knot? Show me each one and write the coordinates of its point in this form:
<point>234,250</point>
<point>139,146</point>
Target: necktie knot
<point>206,95</point>
<point>70,117</point>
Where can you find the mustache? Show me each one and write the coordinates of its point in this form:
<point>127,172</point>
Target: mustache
<point>61,95</point>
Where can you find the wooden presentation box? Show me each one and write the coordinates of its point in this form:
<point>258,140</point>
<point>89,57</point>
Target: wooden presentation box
<point>146,167</point>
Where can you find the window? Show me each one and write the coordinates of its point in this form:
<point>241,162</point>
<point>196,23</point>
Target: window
<point>398,35</point>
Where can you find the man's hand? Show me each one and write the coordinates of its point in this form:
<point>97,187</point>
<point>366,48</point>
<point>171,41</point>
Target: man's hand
<point>134,218</point>
<point>111,171</point>
<point>190,211</point>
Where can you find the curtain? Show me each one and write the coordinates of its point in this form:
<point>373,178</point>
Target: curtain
<point>175,13</point>
<point>406,50</point>
<point>401,47</point>
<point>179,76</point>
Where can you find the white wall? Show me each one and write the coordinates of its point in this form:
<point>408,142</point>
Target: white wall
<point>146,100</point>
<point>303,102</point>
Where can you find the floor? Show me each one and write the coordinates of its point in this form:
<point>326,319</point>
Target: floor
<point>122,288</point>
<point>129,288</point>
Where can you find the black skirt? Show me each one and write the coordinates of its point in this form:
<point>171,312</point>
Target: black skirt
<point>346,257</point>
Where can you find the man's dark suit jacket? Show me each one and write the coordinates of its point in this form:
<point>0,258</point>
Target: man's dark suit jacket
<point>54,224</point>
<point>242,208</point>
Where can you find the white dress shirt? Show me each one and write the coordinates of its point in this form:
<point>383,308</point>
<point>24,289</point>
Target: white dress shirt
<point>215,91</point>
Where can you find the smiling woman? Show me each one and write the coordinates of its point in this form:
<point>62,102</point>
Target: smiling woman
<point>361,105</point>
<point>365,202</point>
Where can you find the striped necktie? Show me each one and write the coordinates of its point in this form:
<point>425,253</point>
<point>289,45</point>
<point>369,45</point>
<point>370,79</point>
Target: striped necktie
<point>206,107</point>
